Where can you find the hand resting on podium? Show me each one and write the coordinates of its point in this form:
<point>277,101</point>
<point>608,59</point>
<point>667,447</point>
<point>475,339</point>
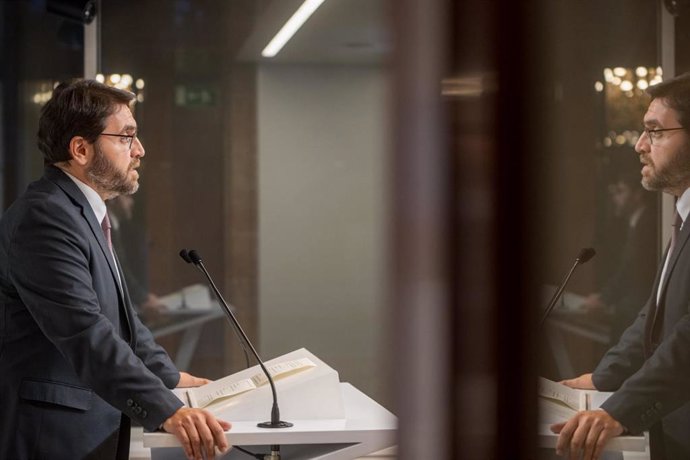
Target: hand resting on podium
<point>585,434</point>
<point>189,381</point>
<point>199,432</point>
<point>583,382</point>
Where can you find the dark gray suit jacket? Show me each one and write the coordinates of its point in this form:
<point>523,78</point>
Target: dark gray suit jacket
<point>652,380</point>
<point>74,355</point>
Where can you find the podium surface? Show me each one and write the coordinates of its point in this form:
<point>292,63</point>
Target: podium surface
<point>366,428</point>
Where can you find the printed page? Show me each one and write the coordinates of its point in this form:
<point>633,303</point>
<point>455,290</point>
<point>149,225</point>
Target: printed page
<point>553,411</point>
<point>220,389</point>
<point>228,387</point>
<point>571,397</point>
<point>283,369</point>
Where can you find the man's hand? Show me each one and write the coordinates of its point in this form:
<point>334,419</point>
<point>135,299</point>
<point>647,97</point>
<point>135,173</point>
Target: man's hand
<point>188,380</point>
<point>583,382</point>
<point>585,434</point>
<point>199,432</point>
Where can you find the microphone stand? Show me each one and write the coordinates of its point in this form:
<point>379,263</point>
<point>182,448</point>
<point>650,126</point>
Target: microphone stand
<point>583,257</point>
<point>275,422</point>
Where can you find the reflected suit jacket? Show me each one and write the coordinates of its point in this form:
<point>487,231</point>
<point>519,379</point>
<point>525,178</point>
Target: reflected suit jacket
<point>74,356</point>
<point>650,373</point>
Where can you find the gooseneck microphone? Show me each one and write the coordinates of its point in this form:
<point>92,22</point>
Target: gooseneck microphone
<point>185,255</point>
<point>194,258</point>
<point>585,255</point>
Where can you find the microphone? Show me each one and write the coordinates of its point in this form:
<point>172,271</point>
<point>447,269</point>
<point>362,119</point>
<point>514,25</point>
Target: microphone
<point>185,255</point>
<point>194,258</point>
<point>584,256</point>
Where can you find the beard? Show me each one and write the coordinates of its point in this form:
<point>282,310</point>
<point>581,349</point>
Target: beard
<point>674,175</point>
<point>108,179</point>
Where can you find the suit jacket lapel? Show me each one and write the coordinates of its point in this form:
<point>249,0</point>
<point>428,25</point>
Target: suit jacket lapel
<point>652,309</point>
<point>68,186</point>
<point>653,324</point>
<point>72,191</point>
<point>127,307</point>
<point>682,239</point>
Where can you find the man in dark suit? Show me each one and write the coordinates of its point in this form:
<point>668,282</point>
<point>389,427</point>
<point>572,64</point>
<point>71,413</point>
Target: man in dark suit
<point>649,369</point>
<point>76,364</point>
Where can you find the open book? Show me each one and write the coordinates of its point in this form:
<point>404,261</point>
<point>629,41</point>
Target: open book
<point>558,402</point>
<point>219,391</point>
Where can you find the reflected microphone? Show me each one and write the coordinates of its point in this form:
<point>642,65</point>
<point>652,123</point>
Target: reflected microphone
<point>193,257</point>
<point>585,255</point>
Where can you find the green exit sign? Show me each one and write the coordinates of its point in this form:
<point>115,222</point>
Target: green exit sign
<point>195,96</point>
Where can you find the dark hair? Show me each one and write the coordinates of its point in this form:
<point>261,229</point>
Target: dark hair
<point>79,108</point>
<point>676,93</point>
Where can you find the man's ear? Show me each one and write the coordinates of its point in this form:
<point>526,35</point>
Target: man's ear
<point>80,150</point>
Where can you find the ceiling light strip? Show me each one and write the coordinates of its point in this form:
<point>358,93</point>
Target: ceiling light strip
<point>291,27</point>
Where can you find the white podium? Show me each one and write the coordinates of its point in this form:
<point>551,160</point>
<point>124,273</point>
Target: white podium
<point>352,424</point>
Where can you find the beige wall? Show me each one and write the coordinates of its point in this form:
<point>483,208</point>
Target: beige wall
<point>321,147</point>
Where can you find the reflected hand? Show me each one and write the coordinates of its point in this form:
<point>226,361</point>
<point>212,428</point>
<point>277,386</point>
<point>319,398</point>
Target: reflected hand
<point>188,380</point>
<point>585,434</point>
<point>583,382</point>
<point>593,302</point>
<point>199,432</point>
<point>153,304</point>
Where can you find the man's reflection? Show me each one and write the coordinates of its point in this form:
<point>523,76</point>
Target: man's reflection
<point>627,287</point>
<point>130,243</point>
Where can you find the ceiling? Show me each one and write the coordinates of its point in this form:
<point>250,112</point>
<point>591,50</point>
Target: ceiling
<point>339,31</point>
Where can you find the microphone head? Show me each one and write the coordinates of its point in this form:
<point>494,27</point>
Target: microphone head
<point>185,255</point>
<point>194,257</point>
<point>586,254</point>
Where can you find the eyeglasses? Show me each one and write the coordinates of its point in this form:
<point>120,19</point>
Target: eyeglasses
<point>654,134</point>
<point>126,139</point>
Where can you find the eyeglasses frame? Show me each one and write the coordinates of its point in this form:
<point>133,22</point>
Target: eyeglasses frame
<point>129,136</point>
<point>649,132</point>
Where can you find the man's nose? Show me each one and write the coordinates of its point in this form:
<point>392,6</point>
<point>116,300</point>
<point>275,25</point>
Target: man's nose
<point>138,148</point>
<point>643,145</point>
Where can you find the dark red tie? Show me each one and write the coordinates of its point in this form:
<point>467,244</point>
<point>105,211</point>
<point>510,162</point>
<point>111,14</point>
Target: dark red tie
<point>105,225</point>
<point>677,223</point>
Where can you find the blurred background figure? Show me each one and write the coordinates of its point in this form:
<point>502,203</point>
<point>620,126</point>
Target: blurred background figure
<point>131,246</point>
<point>625,288</point>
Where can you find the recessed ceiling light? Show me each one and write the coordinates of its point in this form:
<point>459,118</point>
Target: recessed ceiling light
<point>291,27</point>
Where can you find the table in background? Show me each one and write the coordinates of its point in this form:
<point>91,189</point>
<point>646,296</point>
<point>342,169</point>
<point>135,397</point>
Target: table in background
<point>190,322</point>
